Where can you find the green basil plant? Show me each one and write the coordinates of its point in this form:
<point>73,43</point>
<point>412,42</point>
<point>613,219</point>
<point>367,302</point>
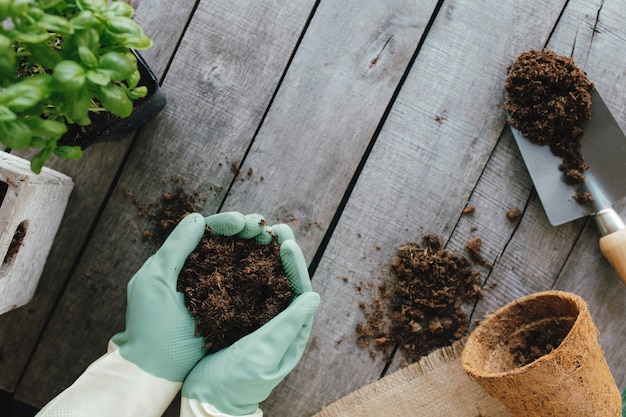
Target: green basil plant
<point>60,60</point>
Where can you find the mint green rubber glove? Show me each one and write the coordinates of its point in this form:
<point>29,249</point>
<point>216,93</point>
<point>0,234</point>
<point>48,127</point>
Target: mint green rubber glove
<point>234,380</point>
<point>159,335</point>
<point>145,364</point>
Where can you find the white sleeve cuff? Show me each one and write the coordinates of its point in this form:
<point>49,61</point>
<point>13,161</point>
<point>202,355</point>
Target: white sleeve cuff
<point>113,386</point>
<point>194,408</point>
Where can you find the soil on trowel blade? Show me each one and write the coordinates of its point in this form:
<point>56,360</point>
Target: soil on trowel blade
<point>548,98</point>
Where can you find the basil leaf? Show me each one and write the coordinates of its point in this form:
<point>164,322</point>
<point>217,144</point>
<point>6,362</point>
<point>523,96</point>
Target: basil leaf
<point>69,76</point>
<point>115,100</point>
<point>15,134</point>
<point>68,152</point>
<point>118,65</point>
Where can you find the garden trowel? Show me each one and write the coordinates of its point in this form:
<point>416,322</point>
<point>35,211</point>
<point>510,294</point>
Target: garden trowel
<point>604,151</point>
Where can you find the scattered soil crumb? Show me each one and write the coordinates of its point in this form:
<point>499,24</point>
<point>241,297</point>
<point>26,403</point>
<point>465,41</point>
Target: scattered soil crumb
<point>419,310</point>
<point>232,287</point>
<point>469,209</point>
<point>583,197</point>
<point>473,248</point>
<point>167,212</point>
<point>474,245</point>
<point>513,214</point>
<point>548,98</point>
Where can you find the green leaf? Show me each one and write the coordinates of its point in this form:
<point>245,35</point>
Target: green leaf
<point>68,152</point>
<point>87,57</point>
<point>40,159</point>
<point>44,54</point>
<point>128,32</point>
<point>69,76</point>
<point>46,4</point>
<point>19,7</point>
<point>32,36</point>
<point>6,114</point>
<point>98,77</point>
<point>118,65</point>
<point>24,94</point>
<point>115,100</point>
<point>37,142</point>
<point>45,128</point>
<point>5,9</point>
<point>137,93</point>
<point>5,42</point>
<point>99,6</point>
<point>56,24</point>
<point>76,105</point>
<point>7,65</point>
<point>15,134</point>
<point>89,38</point>
<point>84,20</point>
<point>119,8</point>
<point>133,79</point>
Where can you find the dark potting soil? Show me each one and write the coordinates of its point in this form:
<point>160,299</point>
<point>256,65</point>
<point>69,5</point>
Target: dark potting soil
<point>421,309</point>
<point>16,243</point>
<point>548,97</point>
<point>232,287</point>
<point>532,344</point>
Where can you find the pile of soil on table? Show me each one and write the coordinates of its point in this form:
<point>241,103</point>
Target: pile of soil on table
<point>548,98</point>
<point>421,309</point>
<point>232,287</point>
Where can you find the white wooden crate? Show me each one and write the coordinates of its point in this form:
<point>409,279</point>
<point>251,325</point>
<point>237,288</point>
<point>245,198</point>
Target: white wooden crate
<point>37,202</point>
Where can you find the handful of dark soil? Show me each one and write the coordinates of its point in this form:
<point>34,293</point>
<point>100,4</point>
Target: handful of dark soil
<point>232,287</point>
<point>548,97</point>
<point>423,304</point>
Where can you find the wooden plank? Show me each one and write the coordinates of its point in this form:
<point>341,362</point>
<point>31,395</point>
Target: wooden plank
<point>219,85</point>
<point>418,178</point>
<point>93,175</point>
<point>328,108</point>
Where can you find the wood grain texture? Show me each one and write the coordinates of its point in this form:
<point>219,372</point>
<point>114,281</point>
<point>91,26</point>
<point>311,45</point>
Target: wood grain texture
<point>417,179</point>
<point>93,175</point>
<point>284,108</point>
<point>326,111</point>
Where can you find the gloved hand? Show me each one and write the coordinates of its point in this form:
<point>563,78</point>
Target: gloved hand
<point>234,380</point>
<point>147,362</point>
<point>159,335</point>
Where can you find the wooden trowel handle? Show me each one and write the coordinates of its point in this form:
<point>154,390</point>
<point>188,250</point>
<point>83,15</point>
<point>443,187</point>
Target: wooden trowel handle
<point>613,241</point>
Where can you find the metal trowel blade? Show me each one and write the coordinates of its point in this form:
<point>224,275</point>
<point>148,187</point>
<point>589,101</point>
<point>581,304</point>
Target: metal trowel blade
<point>604,151</point>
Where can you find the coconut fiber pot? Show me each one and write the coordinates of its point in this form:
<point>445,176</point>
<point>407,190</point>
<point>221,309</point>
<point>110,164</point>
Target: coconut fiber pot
<point>540,356</point>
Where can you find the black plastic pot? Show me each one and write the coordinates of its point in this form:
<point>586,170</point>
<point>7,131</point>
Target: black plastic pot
<point>145,109</point>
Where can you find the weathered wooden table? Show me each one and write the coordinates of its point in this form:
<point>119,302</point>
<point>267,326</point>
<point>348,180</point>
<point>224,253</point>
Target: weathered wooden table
<point>365,125</point>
